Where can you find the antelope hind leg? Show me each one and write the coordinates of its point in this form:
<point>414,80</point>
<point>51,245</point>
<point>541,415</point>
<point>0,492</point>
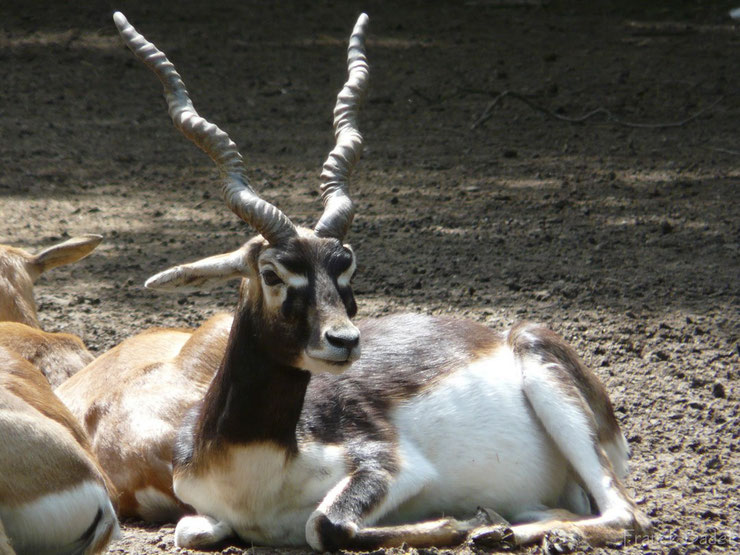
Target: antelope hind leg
<point>556,526</point>
<point>571,424</point>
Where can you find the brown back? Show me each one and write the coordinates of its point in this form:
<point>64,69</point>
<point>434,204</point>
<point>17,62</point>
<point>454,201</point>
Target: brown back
<point>162,372</point>
<point>57,355</point>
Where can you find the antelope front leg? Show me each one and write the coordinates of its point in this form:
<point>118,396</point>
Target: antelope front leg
<point>337,523</point>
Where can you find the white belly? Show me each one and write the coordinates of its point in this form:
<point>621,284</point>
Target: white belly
<point>473,440</point>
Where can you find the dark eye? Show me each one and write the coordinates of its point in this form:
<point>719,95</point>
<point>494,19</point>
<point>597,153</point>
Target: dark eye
<point>270,277</point>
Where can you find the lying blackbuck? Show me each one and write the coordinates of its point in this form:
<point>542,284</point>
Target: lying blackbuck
<point>54,498</point>
<point>298,439</point>
<point>57,355</point>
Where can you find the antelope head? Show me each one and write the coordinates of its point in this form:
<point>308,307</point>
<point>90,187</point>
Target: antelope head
<point>19,270</point>
<point>296,280</point>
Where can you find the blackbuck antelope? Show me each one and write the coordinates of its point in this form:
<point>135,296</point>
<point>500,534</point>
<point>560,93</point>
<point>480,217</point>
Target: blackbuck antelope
<point>54,498</point>
<point>57,355</point>
<point>298,439</point>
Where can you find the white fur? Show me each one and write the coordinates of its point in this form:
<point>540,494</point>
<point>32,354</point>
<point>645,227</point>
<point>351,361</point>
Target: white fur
<point>327,359</point>
<point>471,440</point>
<point>200,531</point>
<point>493,434</point>
<point>289,278</point>
<point>263,497</point>
<point>207,271</point>
<point>54,522</point>
<point>296,280</point>
<point>567,424</point>
<point>618,452</point>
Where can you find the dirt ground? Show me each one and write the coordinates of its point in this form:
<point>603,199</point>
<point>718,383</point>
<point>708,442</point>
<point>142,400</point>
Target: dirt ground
<point>622,238</point>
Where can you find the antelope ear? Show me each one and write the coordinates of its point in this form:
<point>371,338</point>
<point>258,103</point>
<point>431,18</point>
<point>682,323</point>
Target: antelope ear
<point>67,252</point>
<point>202,273</point>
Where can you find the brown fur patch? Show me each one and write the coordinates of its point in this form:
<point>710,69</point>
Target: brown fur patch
<point>165,371</point>
<point>16,287</point>
<point>57,355</point>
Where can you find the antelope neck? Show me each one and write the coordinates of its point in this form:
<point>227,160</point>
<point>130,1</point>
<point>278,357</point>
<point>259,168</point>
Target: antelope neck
<point>252,398</point>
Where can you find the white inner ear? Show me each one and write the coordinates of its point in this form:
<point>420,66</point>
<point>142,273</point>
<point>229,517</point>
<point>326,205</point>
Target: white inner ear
<point>206,272</point>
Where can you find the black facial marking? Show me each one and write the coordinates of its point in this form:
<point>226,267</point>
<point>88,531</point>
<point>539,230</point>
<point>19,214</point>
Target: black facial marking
<point>339,262</point>
<point>296,299</point>
<point>294,259</point>
<point>348,298</point>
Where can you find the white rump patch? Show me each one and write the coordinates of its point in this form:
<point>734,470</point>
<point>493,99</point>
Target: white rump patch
<point>472,440</point>
<point>54,523</point>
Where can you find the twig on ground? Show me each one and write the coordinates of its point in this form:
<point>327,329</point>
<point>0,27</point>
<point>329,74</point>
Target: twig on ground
<point>723,150</point>
<point>486,115</point>
<point>432,101</point>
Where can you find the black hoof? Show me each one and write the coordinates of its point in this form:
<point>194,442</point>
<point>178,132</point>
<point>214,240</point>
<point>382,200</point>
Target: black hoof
<point>497,536</point>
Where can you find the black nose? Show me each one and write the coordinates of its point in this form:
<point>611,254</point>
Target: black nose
<point>344,339</point>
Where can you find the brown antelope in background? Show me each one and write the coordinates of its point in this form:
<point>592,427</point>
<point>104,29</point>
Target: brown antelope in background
<point>131,401</point>
<point>54,498</point>
<point>57,355</point>
<point>298,439</point>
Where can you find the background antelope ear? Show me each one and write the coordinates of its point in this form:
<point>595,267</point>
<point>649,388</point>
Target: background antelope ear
<point>202,273</point>
<point>67,252</point>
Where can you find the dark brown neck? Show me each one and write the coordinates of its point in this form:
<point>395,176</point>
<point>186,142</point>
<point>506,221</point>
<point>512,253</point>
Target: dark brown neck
<point>252,398</point>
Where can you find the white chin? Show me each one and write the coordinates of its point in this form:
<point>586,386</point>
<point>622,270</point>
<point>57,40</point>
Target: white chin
<point>322,366</point>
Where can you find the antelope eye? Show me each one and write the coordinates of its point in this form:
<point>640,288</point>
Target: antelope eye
<point>270,277</point>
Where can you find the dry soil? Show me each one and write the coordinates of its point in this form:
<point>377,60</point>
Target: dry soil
<point>620,232</point>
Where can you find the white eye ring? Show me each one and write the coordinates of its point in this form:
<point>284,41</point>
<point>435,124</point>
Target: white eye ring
<point>345,277</point>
